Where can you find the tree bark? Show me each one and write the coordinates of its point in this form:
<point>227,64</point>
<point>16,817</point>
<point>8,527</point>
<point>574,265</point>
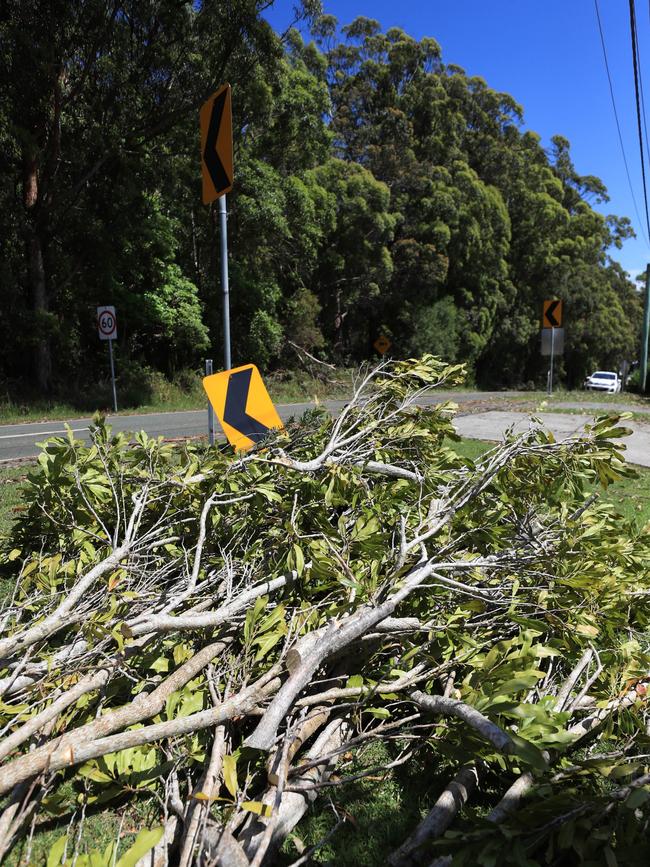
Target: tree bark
<point>38,297</point>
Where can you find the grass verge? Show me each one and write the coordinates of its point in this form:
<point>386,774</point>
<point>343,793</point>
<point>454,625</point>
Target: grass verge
<point>631,497</point>
<point>10,479</point>
<point>146,391</point>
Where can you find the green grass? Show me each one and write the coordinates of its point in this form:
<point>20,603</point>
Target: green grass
<point>381,811</point>
<point>294,386</point>
<point>101,825</point>
<point>10,479</point>
<point>579,395</point>
<point>631,497</point>
<point>161,396</point>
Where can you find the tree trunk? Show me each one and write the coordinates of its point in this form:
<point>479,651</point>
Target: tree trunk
<point>42,356</point>
<point>42,361</point>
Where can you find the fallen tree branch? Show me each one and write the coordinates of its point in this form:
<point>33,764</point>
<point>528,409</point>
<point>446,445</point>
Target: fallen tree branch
<point>295,803</point>
<point>90,683</point>
<point>198,810</point>
<point>439,705</point>
<point>438,819</point>
<point>69,749</point>
<point>62,615</point>
<point>331,640</point>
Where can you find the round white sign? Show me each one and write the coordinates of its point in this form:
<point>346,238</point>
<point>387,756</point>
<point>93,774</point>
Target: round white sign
<point>107,323</point>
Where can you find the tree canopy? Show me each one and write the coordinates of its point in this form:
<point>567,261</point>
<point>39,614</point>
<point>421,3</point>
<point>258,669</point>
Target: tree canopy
<point>378,189</point>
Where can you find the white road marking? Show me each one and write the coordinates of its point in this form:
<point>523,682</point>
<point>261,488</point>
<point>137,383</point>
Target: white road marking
<point>41,433</point>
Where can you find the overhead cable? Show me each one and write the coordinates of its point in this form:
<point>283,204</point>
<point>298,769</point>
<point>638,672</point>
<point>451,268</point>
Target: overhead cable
<point>618,125</point>
<point>635,65</point>
<point>643,114</point>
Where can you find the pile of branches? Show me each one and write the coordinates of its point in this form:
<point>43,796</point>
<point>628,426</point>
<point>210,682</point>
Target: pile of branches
<point>226,634</point>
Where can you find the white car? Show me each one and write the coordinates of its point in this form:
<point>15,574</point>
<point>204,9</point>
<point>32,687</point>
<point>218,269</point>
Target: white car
<point>603,380</point>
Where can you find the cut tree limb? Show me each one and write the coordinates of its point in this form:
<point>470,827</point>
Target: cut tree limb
<point>198,809</point>
<point>438,819</point>
<point>294,804</point>
<point>56,758</point>
<point>332,640</point>
<point>65,750</point>
<point>60,617</point>
<point>439,705</point>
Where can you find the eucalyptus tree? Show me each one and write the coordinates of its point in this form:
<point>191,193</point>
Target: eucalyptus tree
<point>95,90</point>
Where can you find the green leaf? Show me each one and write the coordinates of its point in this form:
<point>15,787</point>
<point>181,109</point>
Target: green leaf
<point>523,681</point>
<point>266,642</point>
<point>107,855</point>
<point>588,630</point>
<point>379,712</point>
<point>637,797</point>
<point>230,774</point>
<point>252,616</point>
<point>93,773</point>
<point>29,568</point>
<point>299,559</point>
<point>257,807</point>
<point>276,616</point>
<point>160,665</point>
<point>364,529</point>
<point>56,852</point>
<point>528,752</point>
<point>144,842</point>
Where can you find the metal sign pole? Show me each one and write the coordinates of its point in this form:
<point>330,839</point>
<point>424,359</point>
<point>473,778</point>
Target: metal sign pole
<point>550,378</point>
<point>223,241</point>
<point>208,372</point>
<point>110,355</point>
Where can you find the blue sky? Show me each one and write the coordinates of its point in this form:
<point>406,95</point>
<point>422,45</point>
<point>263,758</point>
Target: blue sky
<point>548,56</point>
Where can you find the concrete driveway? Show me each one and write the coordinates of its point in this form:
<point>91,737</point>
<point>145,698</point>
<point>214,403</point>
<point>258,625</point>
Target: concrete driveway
<point>494,424</point>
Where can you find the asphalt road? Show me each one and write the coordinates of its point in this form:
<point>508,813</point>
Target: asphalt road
<point>19,441</point>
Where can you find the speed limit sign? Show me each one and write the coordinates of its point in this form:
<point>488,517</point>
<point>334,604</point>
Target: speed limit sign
<point>107,323</point>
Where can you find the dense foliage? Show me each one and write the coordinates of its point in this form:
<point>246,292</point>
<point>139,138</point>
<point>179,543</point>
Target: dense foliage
<point>378,190</point>
<point>189,628</point>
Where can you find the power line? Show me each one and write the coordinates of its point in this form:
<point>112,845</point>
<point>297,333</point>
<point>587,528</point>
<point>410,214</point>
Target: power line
<point>633,34</point>
<point>618,125</point>
<point>645,125</point>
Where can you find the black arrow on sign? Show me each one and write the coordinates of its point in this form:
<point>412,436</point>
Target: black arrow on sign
<point>234,411</point>
<point>211,158</point>
<point>550,317</point>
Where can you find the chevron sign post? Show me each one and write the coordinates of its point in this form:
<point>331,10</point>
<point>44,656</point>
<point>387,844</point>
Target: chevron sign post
<point>215,120</point>
<point>552,334</point>
<point>242,405</point>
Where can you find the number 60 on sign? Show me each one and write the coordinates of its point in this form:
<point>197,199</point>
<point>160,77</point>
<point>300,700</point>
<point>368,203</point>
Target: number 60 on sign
<point>107,323</point>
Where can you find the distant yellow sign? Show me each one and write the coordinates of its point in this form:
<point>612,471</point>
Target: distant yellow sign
<point>552,314</point>
<point>382,344</point>
<point>242,405</point>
